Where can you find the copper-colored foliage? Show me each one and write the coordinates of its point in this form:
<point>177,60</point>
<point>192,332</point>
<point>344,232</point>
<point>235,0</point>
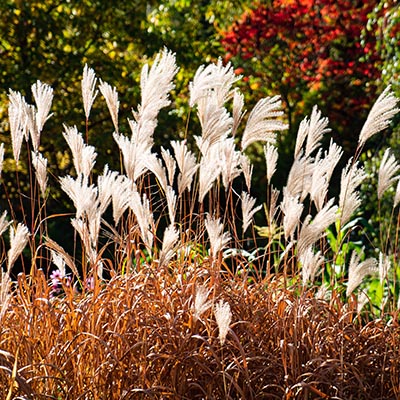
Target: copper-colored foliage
<point>135,337</point>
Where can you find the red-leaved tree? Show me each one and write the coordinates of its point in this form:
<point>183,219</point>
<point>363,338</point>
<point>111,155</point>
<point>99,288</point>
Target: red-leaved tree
<point>310,51</point>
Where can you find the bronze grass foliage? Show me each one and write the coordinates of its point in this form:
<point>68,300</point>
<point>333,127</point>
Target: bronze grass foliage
<point>135,337</point>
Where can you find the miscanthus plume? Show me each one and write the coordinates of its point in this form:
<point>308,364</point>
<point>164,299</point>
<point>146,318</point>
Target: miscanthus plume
<point>349,198</point>
<point>380,116</point>
<point>358,270</point>
<point>388,169</point>
<point>89,92</point>
<point>218,238</point>
<point>201,302</point>
<point>18,239</point>
<point>223,316</point>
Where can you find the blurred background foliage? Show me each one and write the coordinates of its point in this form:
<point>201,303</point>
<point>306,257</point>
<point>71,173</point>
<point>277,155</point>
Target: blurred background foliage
<point>338,55</point>
<point>52,40</point>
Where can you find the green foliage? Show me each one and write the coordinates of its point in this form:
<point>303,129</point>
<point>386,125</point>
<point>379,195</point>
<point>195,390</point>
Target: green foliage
<point>341,245</point>
<point>51,41</point>
<point>380,227</point>
<point>384,21</point>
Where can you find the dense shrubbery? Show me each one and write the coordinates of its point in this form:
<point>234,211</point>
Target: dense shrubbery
<point>170,292</point>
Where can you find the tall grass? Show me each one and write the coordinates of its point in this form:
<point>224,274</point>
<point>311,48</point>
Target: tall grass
<point>189,306</point>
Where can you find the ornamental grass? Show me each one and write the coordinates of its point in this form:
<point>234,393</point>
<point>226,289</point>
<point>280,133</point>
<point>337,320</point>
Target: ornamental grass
<point>172,291</point>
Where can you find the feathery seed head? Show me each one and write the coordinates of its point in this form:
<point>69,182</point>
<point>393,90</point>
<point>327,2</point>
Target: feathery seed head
<point>88,159</point>
<point>388,168</point>
<point>4,224</point>
<point>170,163</point>
<point>358,270</point>
<point>300,177</point>
<point>121,190</point>
<point>272,206</point>
<point>144,216</point>
<point>82,228</point>
<point>89,91</point>
<point>292,209</point>
<point>218,239</point>
<point>319,188</point>
<point>18,122</point>
<point>18,240</point>
<point>214,79</point>
<point>171,236</point>
<point>83,156</point>
<point>216,123</point>
<point>58,261</point>
<point>362,300</point>
<point>210,169</point>
<point>302,133</point>
<point>314,229</point>
<point>83,196</point>
<point>30,113</point>
<point>237,110</point>
<point>271,159</point>
<point>155,84</point>
<point>349,199</point>
<point>154,164</point>
<point>187,165</point>
<point>171,203</point>
<point>248,209</point>
<point>5,293</point>
<point>313,129</point>
<point>383,267</point>
<point>247,169</point>
<point>396,199</point>
<point>229,161</point>
<point>105,185</point>
<point>310,263</point>
<point>134,154</point>
<point>323,170</point>
<point>201,305</point>
<point>43,95</point>
<point>1,157</point>
<point>223,316</point>
<point>40,166</point>
<point>380,116</point>
<point>262,123</point>
<point>93,221</point>
<point>111,96</point>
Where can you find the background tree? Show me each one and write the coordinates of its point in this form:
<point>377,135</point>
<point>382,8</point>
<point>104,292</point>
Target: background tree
<point>384,22</point>
<point>51,41</point>
<point>310,52</point>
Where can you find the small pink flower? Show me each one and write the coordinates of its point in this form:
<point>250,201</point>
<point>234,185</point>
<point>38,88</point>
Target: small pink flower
<point>57,281</point>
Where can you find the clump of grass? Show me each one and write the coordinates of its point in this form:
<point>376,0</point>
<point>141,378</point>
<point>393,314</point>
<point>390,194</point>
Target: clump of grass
<point>184,308</point>
<point>138,337</point>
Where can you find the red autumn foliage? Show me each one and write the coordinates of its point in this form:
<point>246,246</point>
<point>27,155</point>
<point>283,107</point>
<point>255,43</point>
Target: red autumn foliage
<point>297,46</point>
